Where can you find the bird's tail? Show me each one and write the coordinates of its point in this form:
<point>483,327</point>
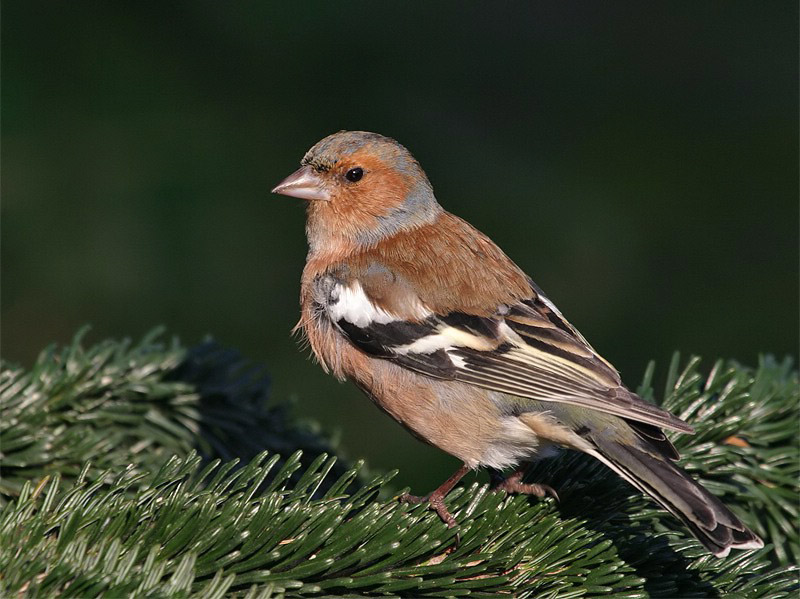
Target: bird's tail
<point>714,525</point>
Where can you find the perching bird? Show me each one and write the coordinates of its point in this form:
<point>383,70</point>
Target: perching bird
<point>430,319</point>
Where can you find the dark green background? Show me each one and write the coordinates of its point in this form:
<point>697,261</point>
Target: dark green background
<point>639,160</point>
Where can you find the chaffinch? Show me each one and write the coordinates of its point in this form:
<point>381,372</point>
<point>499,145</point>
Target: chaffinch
<point>431,319</point>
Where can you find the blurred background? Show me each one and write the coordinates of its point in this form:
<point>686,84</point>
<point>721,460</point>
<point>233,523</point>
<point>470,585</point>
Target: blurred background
<point>638,160</point>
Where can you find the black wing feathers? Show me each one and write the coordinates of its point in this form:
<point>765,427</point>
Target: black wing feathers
<point>528,350</point>
<point>379,339</point>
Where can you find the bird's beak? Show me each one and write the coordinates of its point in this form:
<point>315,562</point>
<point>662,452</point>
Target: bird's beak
<point>305,184</point>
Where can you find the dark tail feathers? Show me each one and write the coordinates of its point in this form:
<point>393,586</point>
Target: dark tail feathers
<point>714,525</point>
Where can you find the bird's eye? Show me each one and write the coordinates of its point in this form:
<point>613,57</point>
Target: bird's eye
<point>354,174</point>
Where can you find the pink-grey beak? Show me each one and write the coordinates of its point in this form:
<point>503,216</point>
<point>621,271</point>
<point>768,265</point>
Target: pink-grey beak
<point>305,184</point>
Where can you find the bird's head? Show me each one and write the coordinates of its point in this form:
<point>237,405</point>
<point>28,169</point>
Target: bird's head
<point>361,188</point>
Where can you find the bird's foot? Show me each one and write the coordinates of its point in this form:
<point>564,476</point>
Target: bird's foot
<point>436,499</point>
<point>436,503</point>
<point>514,484</point>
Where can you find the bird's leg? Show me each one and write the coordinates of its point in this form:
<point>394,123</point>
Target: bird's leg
<point>513,484</point>
<point>436,498</point>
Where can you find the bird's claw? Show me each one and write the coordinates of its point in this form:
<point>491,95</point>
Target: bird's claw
<point>514,484</point>
<point>435,502</point>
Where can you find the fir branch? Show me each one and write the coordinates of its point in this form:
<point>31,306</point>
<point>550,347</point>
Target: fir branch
<point>203,531</point>
<point>140,524</point>
<point>121,405</point>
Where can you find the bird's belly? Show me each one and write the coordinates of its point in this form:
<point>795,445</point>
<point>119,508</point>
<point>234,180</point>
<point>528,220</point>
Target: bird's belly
<point>459,419</point>
<point>515,442</point>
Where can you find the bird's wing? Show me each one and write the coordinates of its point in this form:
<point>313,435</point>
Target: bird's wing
<point>527,350</point>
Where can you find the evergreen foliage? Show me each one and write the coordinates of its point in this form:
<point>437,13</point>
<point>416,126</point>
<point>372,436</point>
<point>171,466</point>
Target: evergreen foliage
<point>117,480</point>
<point>120,405</point>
